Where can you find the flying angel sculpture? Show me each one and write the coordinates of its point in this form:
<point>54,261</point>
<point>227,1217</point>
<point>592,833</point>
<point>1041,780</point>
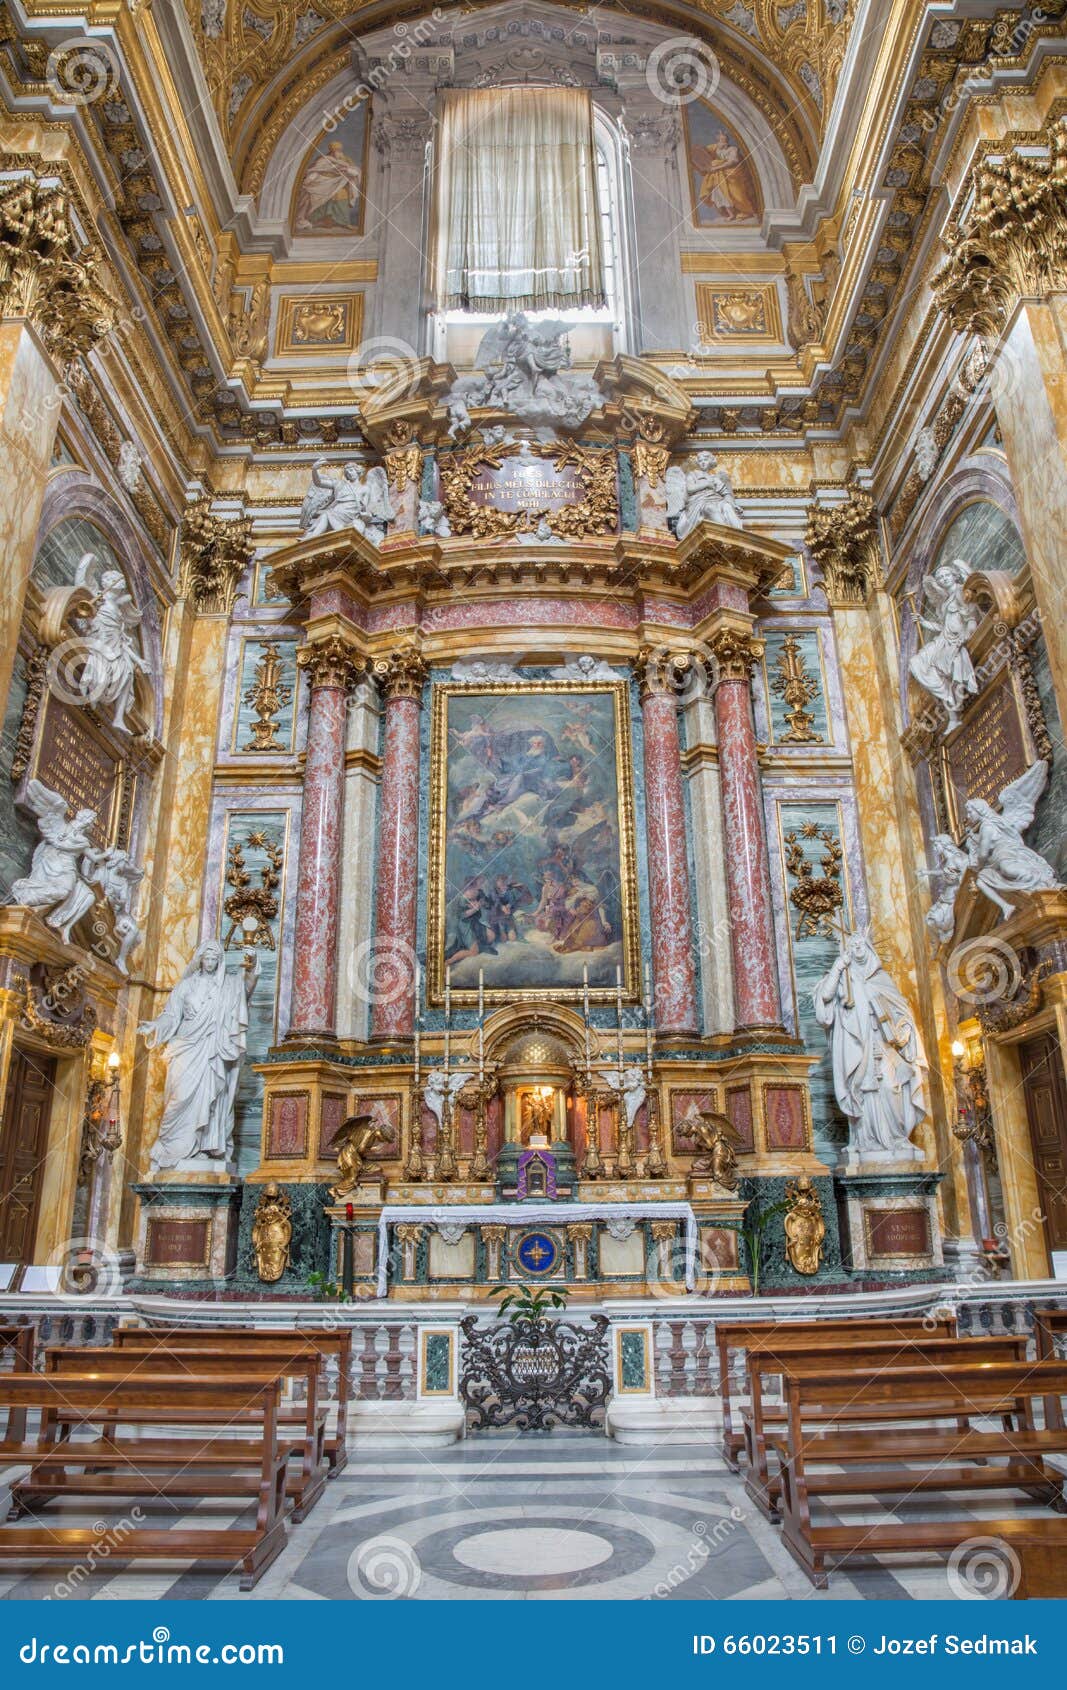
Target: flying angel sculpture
<point>943,665</point>
<point>111,658</point>
<point>360,500</point>
<point>56,886</point>
<point>1003,865</point>
<point>952,864</point>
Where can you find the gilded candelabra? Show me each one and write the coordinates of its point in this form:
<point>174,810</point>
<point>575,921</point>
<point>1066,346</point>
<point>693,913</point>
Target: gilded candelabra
<point>268,695</point>
<point>476,1096</point>
<point>797,687</point>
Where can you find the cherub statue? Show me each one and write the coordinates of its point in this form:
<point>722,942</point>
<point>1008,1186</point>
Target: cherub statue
<point>629,1082</point>
<point>952,864</point>
<point>354,1142</point>
<point>57,886</point>
<point>360,500</point>
<point>272,1234</point>
<point>711,1134</point>
<point>118,877</point>
<point>1003,865</point>
<point>703,494</point>
<point>433,519</point>
<point>943,665</point>
<point>111,658</point>
<point>441,1091</point>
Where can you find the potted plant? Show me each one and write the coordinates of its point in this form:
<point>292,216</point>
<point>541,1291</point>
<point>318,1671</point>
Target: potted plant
<point>753,1233</point>
<point>527,1305</point>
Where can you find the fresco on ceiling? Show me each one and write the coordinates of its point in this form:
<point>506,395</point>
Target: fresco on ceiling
<point>724,187</point>
<point>329,194</point>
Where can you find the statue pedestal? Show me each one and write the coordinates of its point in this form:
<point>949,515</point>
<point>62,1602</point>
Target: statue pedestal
<point>187,1231</point>
<point>889,1217</point>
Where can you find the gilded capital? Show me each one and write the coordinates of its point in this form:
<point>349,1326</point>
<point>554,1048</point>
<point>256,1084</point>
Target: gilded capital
<point>650,461</point>
<point>43,277</point>
<point>844,542</point>
<point>214,553</point>
<point>331,662</point>
<point>402,674</point>
<point>736,653</point>
<point>1009,242</point>
<point>402,466</point>
<point>658,671</point>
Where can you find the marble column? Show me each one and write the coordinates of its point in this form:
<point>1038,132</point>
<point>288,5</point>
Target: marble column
<point>673,959</point>
<point>331,665</point>
<point>756,994</point>
<point>391,973</point>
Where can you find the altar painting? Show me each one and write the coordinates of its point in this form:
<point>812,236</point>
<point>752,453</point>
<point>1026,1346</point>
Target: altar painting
<point>532,876</point>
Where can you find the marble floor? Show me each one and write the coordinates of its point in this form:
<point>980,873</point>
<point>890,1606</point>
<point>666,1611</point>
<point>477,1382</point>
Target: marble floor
<point>499,1517</point>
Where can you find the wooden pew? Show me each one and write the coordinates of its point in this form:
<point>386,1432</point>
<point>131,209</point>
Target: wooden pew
<point>70,1404</point>
<point>1049,1325</point>
<point>761,1425</point>
<point>303,1440</point>
<point>999,1390</point>
<point>733,1335</point>
<point>22,1342</point>
<point>330,1342</point>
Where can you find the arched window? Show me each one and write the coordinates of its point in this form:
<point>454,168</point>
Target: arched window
<point>599,330</point>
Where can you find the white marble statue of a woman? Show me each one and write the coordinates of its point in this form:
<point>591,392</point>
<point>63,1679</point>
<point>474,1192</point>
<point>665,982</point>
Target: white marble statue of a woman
<point>879,1065</point>
<point>204,1026</point>
<point>943,665</point>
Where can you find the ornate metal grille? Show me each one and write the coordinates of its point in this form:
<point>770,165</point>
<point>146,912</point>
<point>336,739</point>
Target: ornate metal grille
<point>534,1375</point>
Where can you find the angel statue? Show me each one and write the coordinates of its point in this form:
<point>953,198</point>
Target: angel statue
<point>703,494</point>
<point>56,885</point>
<point>355,1140</point>
<point>879,1065</point>
<point>204,1026</point>
<point>1003,866</point>
<point>629,1082</point>
<point>943,665</point>
<point>118,877</point>
<point>359,500</point>
<point>111,658</point>
<point>952,864</point>
<point>441,1090</point>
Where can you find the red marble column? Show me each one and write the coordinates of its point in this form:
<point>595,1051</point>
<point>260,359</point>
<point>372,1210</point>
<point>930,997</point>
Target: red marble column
<point>331,665</point>
<point>748,882</point>
<point>673,959</point>
<point>391,977</point>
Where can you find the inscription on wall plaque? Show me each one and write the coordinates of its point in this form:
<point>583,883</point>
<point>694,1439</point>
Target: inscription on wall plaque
<point>516,485</point>
<point>176,1243</point>
<point>76,763</point>
<point>990,748</point>
<point>897,1232</point>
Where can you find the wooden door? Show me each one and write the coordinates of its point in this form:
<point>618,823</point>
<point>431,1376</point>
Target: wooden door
<point>23,1142</point>
<point>1045,1091</point>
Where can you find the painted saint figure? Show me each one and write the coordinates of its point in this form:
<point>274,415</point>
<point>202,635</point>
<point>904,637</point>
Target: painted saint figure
<point>879,1065</point>
<point>329,193</point>
<point>204,1026</point>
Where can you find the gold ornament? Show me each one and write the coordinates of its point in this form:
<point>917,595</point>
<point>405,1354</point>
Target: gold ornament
<point>844,543</point>
<point>267,695</point>
<point>797,687</point>
<point>272,1234</point>
<point>816,897</point>
<point>804,1226</point>
<point>597,512</point>
<point>215,552</point>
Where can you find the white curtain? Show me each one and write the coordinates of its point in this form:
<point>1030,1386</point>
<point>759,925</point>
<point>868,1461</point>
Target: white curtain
<point>519,218</point>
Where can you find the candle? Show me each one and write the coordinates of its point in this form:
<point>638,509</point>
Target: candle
<point>618,1012</point>
<point>418,1074</point>
<point>585,1009</point>
<point>448,1014</point>
<point>648,1021</point>
<point>481,993</point>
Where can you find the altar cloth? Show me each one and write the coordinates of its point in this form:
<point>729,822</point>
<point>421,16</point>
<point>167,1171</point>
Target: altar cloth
<point>536,1214</point>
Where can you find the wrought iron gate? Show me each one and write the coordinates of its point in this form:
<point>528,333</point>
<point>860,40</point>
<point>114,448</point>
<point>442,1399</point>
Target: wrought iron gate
<point>533,1375</point>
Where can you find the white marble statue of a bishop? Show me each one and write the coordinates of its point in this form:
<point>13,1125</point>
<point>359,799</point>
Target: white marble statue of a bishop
<point>879,1064</point>
<point>204,1027</point>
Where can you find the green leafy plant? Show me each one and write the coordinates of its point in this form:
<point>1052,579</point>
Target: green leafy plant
<point>327,1290</point>
<point>754,1233</point>
<point>528,1305</point>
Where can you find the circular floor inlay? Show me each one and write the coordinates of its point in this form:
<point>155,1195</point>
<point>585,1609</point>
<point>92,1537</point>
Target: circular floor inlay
<point>532,1549</point>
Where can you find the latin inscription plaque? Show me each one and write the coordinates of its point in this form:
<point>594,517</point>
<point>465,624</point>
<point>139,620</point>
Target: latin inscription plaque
<point>897,1232</point>
<point>74,762</point>
<point>518,485</point>
<point>990,748</point>
<point>176,1243</point>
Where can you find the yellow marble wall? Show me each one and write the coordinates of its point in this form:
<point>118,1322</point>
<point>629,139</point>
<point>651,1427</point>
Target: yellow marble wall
<point>29,412</point>
<point>891,835</point>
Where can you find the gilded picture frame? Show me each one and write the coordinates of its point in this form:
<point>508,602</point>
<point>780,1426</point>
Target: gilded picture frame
<point>602,703</point>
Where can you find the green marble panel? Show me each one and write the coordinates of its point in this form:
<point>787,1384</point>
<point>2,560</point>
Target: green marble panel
<point>985,536</point>
<point>438,1362</point>
<point>59,555</point>
<point>808,646</point>
<point>793,586</point>
<point>813,953</point>
<point>633,1361</point>
<point>252,831</point>
<point>243,738</point>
